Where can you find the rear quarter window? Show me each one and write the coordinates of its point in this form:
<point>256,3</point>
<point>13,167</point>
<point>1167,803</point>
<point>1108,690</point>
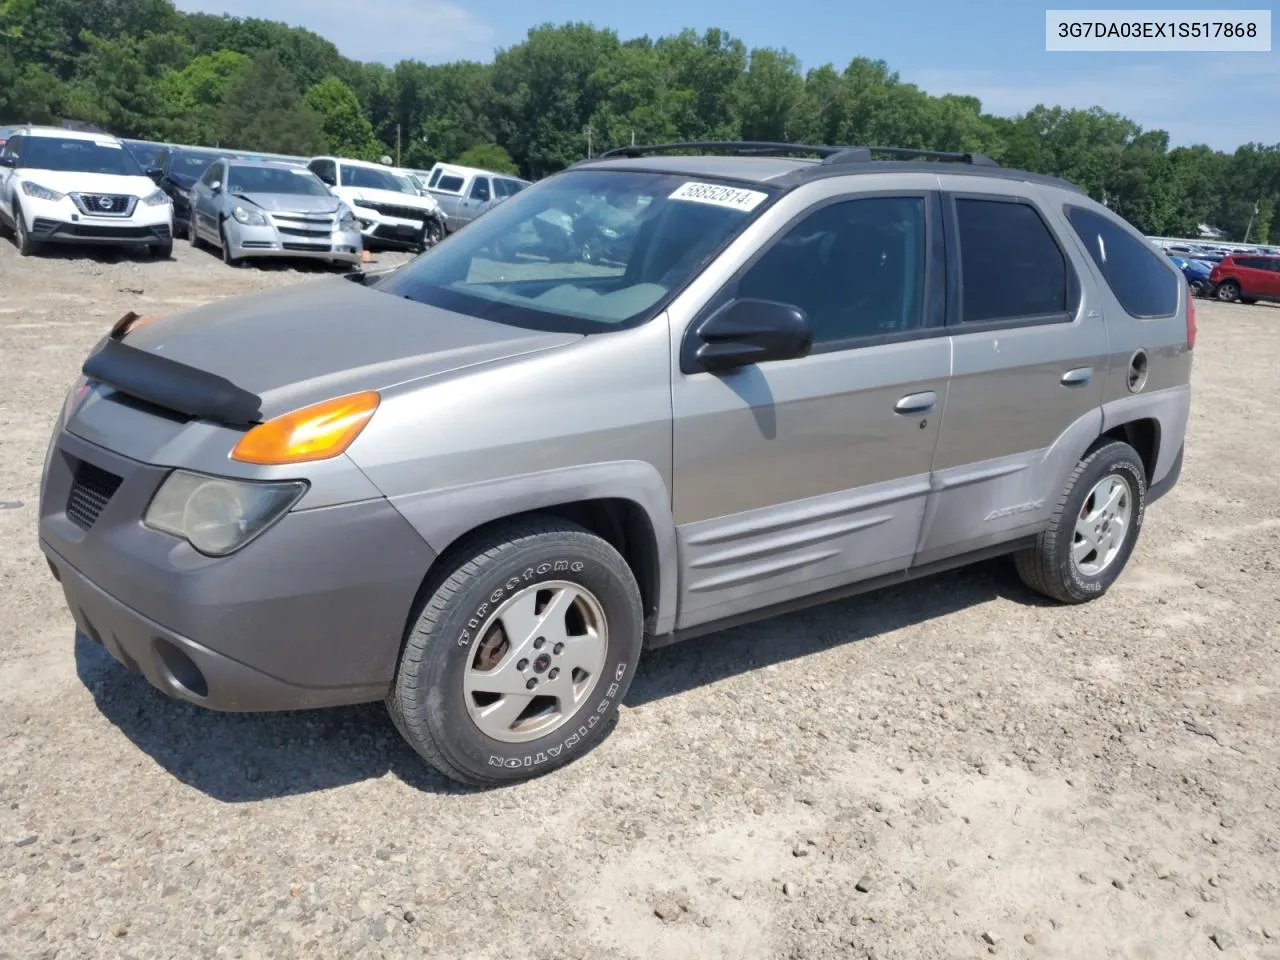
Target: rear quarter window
<point>450,184</point>
<point>1139,277</point>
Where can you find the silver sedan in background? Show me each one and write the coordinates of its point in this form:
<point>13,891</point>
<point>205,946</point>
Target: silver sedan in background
<point>259,208</point>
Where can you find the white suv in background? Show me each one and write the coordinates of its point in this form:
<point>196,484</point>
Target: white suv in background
<point>65,186</point>
<point>390,209</point>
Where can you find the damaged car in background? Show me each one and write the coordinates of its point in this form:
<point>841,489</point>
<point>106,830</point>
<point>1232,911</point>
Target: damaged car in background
<point>257,208</point>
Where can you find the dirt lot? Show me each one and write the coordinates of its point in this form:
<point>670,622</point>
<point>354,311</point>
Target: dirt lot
<point>946,770</point>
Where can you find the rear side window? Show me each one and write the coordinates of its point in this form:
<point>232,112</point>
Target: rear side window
<point>1011,267</point>
<point>449,184</point>
<point>1143,284</point>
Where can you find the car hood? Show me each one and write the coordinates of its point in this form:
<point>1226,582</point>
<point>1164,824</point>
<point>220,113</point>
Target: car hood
<point>300,345</point>
<point>292,202</point>
<point>72,182</point>
<point>385,196</point>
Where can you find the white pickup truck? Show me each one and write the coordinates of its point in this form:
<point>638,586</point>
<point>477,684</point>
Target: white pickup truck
<point>466,192</point>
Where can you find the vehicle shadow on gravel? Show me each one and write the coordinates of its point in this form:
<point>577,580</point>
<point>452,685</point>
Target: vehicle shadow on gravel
<point>103,254</point>
<point>709,659</point>
<point>239,758</point>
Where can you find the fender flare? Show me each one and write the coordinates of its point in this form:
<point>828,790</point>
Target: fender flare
<point>443,515</point>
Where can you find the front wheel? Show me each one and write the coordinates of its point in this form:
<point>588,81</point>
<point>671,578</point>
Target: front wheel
<point>1228,290</point>
<point>432,233</point>
<point>520,655</point>
<point>1093,529</point>
<point>162,251</point>
<point>227,258</point>
<point>21,238</point>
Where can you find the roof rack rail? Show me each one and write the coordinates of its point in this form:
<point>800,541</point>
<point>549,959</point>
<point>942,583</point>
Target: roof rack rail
<point>863,155</point>
<point>742,148</point>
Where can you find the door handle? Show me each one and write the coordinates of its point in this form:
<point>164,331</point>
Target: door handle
<point>914,403</point>
<point>1078,377</point>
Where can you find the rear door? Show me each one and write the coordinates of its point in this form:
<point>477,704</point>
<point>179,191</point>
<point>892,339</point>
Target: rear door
<point>1029,353</point>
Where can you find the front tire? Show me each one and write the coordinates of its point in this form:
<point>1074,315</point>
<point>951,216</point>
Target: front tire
<point>21,239</point>
<point>162,251</point>
<point>227,258</point>
<point>1227,291</point>
<point>520,655</point>
<point>1094,527</point>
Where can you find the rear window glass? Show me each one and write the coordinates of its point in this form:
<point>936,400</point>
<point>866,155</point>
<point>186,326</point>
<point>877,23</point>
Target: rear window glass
<point>451,184</point>
<point>1011,267</point>
<point>1136,274</point>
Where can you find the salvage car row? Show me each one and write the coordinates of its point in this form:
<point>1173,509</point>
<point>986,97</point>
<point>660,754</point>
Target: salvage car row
<point>66,186</point>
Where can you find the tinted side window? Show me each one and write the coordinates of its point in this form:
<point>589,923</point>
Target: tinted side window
<point>450,184</point>
<point>1010,264</point>
<point>857,267</point>
<point>1144,286</point>
<point>480,189</point>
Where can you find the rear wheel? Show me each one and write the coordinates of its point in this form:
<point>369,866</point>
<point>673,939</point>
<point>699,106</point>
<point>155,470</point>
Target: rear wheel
<point>520,655</point>
<point>1093,529</point>
<point>1228,290</point>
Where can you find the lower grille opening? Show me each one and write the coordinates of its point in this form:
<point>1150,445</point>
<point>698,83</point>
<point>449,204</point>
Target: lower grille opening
<point>91,490</point>
<point>182,669</point>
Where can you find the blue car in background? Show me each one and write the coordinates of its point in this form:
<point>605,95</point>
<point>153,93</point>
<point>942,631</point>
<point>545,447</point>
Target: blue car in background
<point>1197,274</point>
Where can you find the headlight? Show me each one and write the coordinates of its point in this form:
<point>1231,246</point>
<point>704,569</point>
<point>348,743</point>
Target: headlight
<point>347,220</point>
<point>77,391</point>
<point>250,218</point>
<point>39,192</point>
<point>217,515</point>
<point>156,198</point>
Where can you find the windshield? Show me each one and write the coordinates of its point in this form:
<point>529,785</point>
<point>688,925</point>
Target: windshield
<point>275,180</point>
<point>582,251</point>
<point>372,178</point>
<point>78,156</point>
<point>147,154</point>
<point>191,164</point>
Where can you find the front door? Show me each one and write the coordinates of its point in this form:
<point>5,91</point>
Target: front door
<point>1030,355</point>
<point>796,476</point>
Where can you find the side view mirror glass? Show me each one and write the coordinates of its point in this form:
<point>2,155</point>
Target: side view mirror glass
<point>216,186</point>
<point>744,332</point>
<point>155,173</point>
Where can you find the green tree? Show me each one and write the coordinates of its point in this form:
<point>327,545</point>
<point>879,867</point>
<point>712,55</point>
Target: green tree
<point>348,130</point>
<point>488,156</point>
<point>263,110</point>
<point>193,95</point>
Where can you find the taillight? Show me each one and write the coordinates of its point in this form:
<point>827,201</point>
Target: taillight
<point>1191,322</point>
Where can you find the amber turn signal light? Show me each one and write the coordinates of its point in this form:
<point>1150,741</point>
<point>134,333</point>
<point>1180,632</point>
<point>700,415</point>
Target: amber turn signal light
<point>317,432</point>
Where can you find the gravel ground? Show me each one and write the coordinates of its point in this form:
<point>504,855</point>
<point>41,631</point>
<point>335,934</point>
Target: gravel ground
<point>950,769</point>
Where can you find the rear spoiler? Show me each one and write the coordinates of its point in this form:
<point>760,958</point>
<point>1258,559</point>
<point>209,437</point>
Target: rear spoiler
<point>168,384</point>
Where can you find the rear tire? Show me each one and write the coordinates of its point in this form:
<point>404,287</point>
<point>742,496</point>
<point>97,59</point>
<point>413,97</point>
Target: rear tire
<point>520,653</point>
<point>1089,541</point>
<point>1227,291</point>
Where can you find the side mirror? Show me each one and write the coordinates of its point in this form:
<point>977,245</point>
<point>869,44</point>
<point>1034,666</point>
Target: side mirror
<point>155,173</point>
<point>215,187</point>
<point>744,332</point>
<point>8,160</point>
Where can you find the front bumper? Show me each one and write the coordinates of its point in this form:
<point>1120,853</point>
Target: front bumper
<point>310,614</point>
<point>48,230</point>
<point>389,231</point>
<point>268,241</point>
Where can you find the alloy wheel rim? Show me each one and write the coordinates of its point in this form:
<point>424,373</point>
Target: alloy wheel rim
<point>535,661</point>
<point>1102,526</point>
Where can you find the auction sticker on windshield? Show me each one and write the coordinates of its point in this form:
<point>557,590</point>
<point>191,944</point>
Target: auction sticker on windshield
<point>719,195</point>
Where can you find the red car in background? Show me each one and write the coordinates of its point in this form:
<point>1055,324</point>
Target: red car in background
<point>1246,277</point>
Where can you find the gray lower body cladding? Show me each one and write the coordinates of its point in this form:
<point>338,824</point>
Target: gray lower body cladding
<point>310,614</point>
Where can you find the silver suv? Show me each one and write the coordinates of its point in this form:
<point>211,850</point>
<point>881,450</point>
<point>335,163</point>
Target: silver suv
<point>478,486</point>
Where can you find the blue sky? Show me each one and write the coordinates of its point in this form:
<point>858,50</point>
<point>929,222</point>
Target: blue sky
<point>992,49</point>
